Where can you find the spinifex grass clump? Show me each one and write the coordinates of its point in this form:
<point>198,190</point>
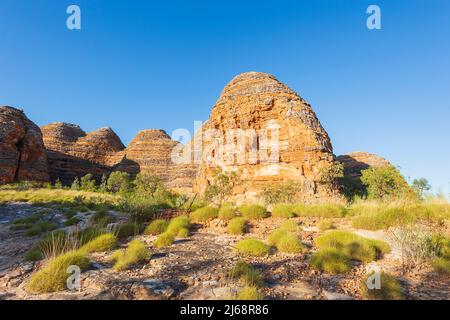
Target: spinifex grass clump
<point>441,264</point>
<point>355,247</point>
<point>320,210</point>
<point>249,293</point>
<point>283,211</point>
<point>331,260</point>
<point>237,226</point>
<point>165,239</point>
<point>102,243</point>
<point>390,289</point>
<point>276,235</point>
<point>136,252</point>
<point>325,225</point>
<point>227,213</point>
<point>252,247</point>
<point>247,274</point>
<point>290,226</point>
<point>290,244</point>
<point>128,229</point>
<point>382,218</point>
<point>157,227</point>
<point>54,275</point>
<point>204,214</point>
<point>253,212</point>
<point>177,224</point>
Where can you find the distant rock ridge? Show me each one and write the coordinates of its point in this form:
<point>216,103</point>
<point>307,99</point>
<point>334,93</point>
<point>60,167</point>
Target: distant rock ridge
<point>355,162</point>
<point>254,103</point>
<point>22,152</point>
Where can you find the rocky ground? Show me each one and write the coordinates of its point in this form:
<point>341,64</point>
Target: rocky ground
<point>197,268</point>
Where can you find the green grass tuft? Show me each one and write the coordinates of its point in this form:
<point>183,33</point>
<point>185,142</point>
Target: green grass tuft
<point>320,210</point>
<point>237,226</point>
<point>136,252</point>
<point>325,225</point>
<point>249,293</point>
<point>252,247</point>
<point>164,240</point>
<point>390,289</point>
<point>157,227</point>
<point>276,235</point>
<point>102,243</point>
<point>227,213</point>
<point>331,261</point>
<point>204,214</point>
<point>128,229</point>
<point>290,225</point>
<point>283,211</point>
<point>54,275</point>
<point>178,223</point>
<point>441,265</point>
<point>290,244</point>
<point>253,212</point>
<point>246,274</point>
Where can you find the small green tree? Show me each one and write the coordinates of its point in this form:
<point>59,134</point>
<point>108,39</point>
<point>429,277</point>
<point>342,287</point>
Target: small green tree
<point>222,185</point>
<point>329,176</point>
<point>58,184</point>
<point>87,183</point>
<point>119,182</point>
<point>384,182</point>
<point>420,186</point>
<point>75,184</point>
<point>148,184</point>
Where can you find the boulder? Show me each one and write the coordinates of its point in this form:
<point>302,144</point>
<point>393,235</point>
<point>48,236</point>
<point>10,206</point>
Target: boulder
<point>22,152</point>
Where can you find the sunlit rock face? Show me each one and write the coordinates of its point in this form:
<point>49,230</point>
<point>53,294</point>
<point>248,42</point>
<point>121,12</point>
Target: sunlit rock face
<point>284,140</point>
<point>22,152</point>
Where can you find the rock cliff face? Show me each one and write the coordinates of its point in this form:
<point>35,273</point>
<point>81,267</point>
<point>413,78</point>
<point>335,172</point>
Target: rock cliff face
<point>22,153</point>
<point>356,162</point>
<point>282,128</point>
<point>73,153</point>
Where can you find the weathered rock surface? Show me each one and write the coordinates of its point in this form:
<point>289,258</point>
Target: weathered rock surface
<point>73,153</point>
<point>22,152</point>
<point>262,106</point>
<point>356,162</point>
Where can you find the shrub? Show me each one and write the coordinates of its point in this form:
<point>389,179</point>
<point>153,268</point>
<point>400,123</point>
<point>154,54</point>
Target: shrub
<point>156,227</point>
<point>136,252</point>
<point>441,265</point>
<point>252,247</point>
<point>249,293</point>
<point>390,289</point>
<point>330,261</point>
<point>54,275</point>
<point>87,183</point>
<point>283,193</point>
<point>283,211</point>
<point>183,233</point>
<point>276,235</point>
<point>178,223</point>
<point>325,225</point>
<point>385,182</point>
<point>119,182</point>
<point>102,243</point>
<point>253,212</point>
<point>128,229</point>
<point>227,213</point>
<point>204,214</point>
<point>164,240</point>
<point>247,274</point>
<point>290,226</point>
<point>237,226</point>
<point>290,244</point>
<point>356,247</point>
<point>320,210</point>
<point>148,184</point>
<point>40,227</point>
<point>383,218</point>
<point>141,207</point>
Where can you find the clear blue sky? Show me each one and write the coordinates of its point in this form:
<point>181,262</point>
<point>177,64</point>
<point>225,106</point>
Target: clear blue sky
<point>162,64</point>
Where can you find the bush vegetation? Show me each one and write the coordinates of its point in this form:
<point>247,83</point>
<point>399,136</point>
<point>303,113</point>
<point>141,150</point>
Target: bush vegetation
<point>290,244</point>
<point>237,226</point>
<point>156,227</point>
<point>324,225</point>
<point>249,293</point>
<point>204,214</point>
<point>247,274</point>
<point>252,247</point>
<point>320,210</point>
<point>331,261</point>
<point>283,211</point>
<point>390,289</point>
<point>165,239</point>
<point>253,212</point>
<point>227,212</point>
<point>134,253</point>
<point>102,243</point>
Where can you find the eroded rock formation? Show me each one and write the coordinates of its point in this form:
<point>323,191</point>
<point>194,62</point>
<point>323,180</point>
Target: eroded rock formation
<point>263,108</point>
<point>73,153</point>
<point>356,162</point>
<point>22,152</point>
